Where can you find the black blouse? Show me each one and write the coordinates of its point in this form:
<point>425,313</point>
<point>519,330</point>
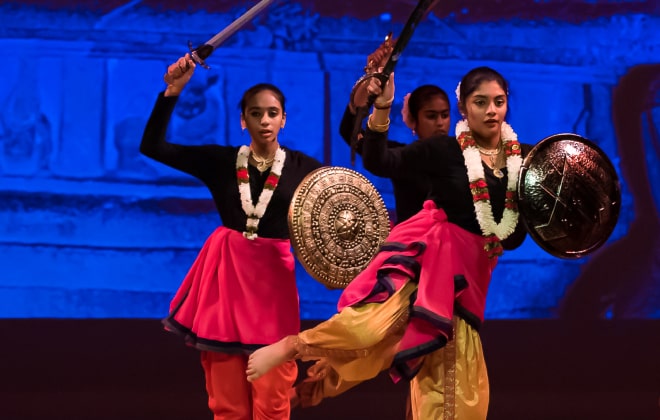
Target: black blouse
<point>215,166</point>
<point>440,160</point>
<point>409,191</point>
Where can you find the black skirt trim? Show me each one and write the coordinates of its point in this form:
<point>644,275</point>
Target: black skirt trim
<point>402,361</point>
<point>471,319</point>
<point>383,279</point>
<point>206,344</point>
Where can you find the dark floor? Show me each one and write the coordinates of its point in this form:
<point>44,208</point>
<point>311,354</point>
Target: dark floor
<point>131,369</point>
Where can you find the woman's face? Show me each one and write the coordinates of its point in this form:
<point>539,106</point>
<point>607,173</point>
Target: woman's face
<point>433,118</point>
<point>486,109</point>
<point>263,117</point>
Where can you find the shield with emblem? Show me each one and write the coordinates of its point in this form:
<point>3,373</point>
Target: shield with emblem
<point>337,222</point>
<point>569,195</point>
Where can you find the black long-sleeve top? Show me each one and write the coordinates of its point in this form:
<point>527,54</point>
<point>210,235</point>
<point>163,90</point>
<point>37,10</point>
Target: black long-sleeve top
<point>409,191</point>
<point>215,166</point>
<point>440,160</point>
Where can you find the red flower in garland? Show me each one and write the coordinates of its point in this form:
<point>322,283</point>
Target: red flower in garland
<point>242,175</point>
<point>271,181</point>
<point>479,190</point>
<point>466,141</point>
<point>480,196</point>
<point>479,184</point>
<point>512,148</point>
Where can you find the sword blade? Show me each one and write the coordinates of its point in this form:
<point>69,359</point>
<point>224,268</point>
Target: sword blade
<point>231,29</point>
<point>202,52</point>
<point>406,33</point>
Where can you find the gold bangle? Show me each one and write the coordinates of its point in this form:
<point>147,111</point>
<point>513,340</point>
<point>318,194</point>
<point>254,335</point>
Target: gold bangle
<point>379,128</point>
<point>385,105</point>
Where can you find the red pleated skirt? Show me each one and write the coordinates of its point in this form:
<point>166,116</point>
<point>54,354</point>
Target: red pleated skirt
<point>239,294</point>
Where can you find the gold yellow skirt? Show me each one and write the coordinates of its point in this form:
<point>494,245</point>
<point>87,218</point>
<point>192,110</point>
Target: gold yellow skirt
<point>453,382</point>
<point>359,342</point>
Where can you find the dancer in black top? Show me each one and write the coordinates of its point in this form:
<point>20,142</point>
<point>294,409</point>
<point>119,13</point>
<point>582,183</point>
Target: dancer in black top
<point>240,294</point>
<point>425,112</point>
<point>418,306</point>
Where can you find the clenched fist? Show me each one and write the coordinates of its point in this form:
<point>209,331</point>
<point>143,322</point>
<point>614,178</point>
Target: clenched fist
<point>178,75</point>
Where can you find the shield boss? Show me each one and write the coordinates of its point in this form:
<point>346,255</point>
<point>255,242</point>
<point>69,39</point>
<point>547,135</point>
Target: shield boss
<point>337,222</point>
<point>569,195</point>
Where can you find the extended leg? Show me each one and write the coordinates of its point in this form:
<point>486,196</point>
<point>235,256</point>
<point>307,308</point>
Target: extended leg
<point>266,358</point>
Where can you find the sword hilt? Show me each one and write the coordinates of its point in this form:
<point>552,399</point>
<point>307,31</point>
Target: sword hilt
<point>200,53</point>
<point>422,7</point>
<point>361,111</point>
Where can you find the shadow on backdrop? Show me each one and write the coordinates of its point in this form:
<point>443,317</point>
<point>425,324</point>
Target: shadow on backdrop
<point>623,279</point>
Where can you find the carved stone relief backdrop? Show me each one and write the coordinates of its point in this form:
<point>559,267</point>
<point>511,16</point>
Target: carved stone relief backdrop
<point>90,228</point>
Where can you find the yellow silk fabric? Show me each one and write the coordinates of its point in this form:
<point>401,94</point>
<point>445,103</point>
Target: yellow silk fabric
<point>359,341</point>
<point>453,382</point>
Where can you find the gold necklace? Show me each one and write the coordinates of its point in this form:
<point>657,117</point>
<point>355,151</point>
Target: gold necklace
<point>262,163</point>
<point>493,155</point>
<point>487,152</point>
<point>496,171</point>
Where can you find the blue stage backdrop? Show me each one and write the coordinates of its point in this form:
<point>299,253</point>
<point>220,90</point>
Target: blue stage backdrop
<point>89,228</point>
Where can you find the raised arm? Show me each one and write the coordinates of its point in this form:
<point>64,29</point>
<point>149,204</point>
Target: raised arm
<point>375,62</point>
<point>419,157</point>
<point>189,159</point>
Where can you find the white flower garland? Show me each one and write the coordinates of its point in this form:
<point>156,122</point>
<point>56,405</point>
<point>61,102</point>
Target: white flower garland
<point>475,171</point>
<point>255,213</point>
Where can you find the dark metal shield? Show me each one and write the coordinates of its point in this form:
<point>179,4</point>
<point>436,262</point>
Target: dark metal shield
<point>337,222</point>
<point>569,195</point>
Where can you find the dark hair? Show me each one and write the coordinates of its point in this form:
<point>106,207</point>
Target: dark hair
<point>478,75</point>
<point>260,87</point>
<point>422,95</point>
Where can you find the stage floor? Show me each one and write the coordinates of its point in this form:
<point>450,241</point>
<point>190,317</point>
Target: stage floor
<point>128,369</point>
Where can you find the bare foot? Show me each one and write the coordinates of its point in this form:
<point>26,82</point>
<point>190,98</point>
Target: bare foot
<point>266,358</point>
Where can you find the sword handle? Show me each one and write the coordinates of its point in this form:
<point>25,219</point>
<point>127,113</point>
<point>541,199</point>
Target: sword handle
<point>200,53</point>
<point>406,33</point>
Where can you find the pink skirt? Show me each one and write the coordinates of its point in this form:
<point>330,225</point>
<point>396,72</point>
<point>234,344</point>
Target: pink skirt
<point>239,294</point>
<point>452,272</point>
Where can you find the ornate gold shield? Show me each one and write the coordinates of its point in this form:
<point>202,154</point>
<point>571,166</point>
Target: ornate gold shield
<point>337,222</point>
<point>569,195</point>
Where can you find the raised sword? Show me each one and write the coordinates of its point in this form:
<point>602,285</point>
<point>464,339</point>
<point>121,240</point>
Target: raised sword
<point>203,51</point>
<point>415,17</point>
